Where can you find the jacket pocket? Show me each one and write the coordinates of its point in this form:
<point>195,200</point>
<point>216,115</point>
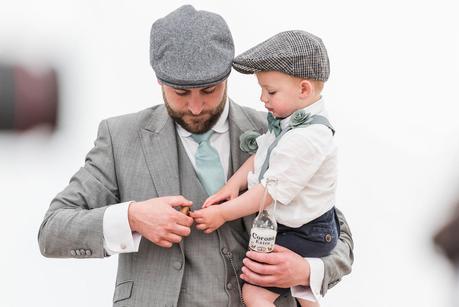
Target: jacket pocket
<point>123,291</point>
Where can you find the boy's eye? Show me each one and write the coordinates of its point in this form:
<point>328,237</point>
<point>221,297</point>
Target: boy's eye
<point>272,93</point>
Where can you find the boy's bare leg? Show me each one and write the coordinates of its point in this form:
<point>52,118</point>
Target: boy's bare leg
<point>258,297</point>
<point>306,303</point>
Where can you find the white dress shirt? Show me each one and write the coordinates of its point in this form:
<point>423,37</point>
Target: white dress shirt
<point>118,237</point>
<point>304,164</point>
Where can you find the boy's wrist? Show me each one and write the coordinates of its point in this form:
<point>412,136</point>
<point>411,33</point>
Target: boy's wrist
<point>224,213</point>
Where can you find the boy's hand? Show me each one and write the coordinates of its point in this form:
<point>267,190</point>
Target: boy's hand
<point>208,219</point>
<point>224,194</point>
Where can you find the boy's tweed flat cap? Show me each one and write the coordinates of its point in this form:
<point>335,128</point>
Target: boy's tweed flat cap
<point>296,53</point>
<point>190,48</point>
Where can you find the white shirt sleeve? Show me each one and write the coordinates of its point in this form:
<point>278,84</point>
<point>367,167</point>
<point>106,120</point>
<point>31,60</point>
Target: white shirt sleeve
<point>297,158</point>
<point>118,237</point>
<point>316,276</point>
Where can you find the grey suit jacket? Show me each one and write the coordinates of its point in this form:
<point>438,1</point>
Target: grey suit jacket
<point>135,158</point>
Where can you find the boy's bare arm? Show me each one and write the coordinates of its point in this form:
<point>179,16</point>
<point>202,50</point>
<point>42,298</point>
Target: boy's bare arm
<point>237,183</point>
<point>246,204</point>
<point>239,178</point>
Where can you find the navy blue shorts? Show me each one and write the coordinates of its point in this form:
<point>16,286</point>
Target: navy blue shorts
<point>314,239</point>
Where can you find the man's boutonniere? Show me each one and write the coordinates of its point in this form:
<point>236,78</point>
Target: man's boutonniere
<point>300,118</point>
<point>248,142</point>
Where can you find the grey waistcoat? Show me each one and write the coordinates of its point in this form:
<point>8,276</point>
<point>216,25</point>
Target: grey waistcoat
<point>207,256</point>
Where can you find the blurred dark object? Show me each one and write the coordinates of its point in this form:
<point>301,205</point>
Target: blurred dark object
<point>447,238</point>
<point>27,98</point>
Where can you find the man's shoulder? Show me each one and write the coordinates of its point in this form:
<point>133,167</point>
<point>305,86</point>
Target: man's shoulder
<point>136,120</point>
<point>127,126</point>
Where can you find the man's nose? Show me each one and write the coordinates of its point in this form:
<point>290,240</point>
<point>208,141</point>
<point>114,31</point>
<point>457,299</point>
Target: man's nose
<point>195,104</point>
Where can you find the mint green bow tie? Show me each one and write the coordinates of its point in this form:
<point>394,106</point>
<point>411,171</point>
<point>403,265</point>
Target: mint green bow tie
<point>208,165</point>
<point>274,124</point>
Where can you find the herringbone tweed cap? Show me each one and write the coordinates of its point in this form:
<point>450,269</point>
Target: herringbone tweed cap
<point>296,53</point>
<point>190,48</point>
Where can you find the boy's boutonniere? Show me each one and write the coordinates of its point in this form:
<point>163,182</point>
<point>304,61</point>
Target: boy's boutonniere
<point>300,118</point>
<point>247,141</point>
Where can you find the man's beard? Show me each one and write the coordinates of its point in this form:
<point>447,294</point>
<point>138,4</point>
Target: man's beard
<point>197,124</point>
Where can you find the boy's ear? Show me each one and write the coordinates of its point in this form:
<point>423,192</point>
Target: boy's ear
<point>306,89</point>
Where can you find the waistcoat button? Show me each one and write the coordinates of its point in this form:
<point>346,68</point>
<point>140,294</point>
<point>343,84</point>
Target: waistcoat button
<point>177,265</point>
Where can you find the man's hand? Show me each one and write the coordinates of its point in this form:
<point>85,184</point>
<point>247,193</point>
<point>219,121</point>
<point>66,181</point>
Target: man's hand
<point>208,219</point>
<point>156,219</point>
<point>281,268</point>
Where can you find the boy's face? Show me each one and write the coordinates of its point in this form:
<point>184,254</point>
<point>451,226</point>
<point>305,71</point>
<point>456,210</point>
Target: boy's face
<point>279,92</point>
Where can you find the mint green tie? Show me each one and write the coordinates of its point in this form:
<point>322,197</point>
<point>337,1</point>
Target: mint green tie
<point>208,165</point>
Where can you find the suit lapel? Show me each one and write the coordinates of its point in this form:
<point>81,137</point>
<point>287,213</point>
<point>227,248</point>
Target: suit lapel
<point>159,146</point>
<point>239,123</point>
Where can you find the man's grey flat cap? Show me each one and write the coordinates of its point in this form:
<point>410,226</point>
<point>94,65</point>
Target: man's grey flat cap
<point>296,53</point>
<point>190,48</point>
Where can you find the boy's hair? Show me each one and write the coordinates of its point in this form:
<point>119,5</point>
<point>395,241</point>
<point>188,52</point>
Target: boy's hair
<point>296,53</point>
<point>318,85</point>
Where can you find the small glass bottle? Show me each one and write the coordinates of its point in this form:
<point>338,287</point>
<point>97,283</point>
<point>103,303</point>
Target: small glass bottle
<point>264,228</point>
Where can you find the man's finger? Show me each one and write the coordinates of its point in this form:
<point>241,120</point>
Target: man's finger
<point>178,200</point>
<point>269,258</point>
<point>183,219</point>
<point>253,278</point>
<point>173,238</point>
<point>262,269</point>
<point>182,231</point>
<point>278,248</point>
<point>164,243</point>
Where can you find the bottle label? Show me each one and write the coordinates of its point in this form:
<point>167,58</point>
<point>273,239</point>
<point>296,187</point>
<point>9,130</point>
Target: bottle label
<point>262,239</point>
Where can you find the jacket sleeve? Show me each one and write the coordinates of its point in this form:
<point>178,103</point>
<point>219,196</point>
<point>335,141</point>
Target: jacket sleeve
<point>339,262</point>
<point>73,224</point>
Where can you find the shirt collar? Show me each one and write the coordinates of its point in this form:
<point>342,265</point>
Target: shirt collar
<point>315,108</point>
<point>221,126</point>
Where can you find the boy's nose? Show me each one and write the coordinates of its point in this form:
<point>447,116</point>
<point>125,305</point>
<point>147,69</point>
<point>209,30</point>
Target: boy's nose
<point>264,99</point>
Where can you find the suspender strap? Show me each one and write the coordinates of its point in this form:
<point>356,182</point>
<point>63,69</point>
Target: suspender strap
<point>316,120</point>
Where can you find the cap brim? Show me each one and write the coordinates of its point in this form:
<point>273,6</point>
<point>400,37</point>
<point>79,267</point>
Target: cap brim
<point>194,84</point>
<point>244,69</point>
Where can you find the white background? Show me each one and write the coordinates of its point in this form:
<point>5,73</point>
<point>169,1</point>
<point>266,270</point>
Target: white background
<point>392,96</point>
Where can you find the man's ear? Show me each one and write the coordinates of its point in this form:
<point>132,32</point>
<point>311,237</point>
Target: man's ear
<point>306,89</point>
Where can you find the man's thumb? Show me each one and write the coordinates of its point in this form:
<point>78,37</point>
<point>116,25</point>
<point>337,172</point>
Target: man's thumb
<point>179,201</point>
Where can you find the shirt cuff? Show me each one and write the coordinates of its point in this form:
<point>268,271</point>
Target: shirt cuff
<point>118,236</point>
<point>316,276</point>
